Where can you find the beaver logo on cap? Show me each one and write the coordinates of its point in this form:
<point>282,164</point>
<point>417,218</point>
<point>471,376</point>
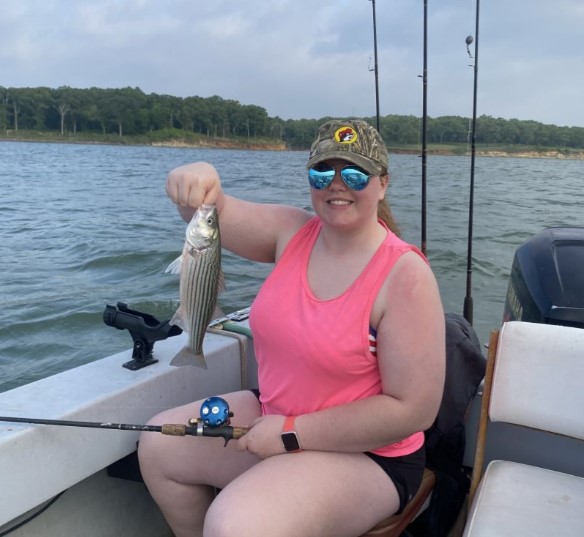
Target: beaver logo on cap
<point>345,135</point>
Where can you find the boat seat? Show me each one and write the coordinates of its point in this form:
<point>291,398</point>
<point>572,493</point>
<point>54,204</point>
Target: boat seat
<point>394,525</point>
<point>534,379</point>
<point>519,499</point>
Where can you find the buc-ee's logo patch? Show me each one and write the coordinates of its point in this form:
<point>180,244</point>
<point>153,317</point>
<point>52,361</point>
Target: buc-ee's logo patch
<point>346,135</point>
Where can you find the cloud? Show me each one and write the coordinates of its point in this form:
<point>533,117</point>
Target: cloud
<point>304,58</point>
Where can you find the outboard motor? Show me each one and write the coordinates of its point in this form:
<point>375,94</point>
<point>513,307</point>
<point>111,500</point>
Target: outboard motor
<point>547,279</point>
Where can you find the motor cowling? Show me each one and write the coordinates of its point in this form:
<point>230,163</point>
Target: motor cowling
<point>547,279</point>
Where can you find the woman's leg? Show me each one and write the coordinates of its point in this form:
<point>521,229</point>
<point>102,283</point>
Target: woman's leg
<point>182,472</point>
<point>305,494</point>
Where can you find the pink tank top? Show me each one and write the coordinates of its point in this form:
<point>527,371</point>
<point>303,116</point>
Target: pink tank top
<point>314,354</point>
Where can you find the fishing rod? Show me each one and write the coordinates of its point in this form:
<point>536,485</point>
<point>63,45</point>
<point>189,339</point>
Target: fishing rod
<point>468,303</point>
<point>375,67</point>
<point>214,422</point>
<point>424,126</point>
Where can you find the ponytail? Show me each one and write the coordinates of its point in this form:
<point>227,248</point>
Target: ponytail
<point>384,211</point>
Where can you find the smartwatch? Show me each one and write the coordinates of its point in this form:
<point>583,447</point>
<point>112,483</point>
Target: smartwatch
<point>289,437</point>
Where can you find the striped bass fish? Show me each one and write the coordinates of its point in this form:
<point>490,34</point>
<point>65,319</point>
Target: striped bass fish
<point>201,278</point>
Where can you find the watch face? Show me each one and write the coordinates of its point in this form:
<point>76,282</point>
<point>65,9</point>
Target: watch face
<point>290,441</point>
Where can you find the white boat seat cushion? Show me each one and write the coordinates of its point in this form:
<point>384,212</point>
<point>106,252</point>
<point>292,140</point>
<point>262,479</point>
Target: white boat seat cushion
<point>538,378</point>
<point>517,500</point>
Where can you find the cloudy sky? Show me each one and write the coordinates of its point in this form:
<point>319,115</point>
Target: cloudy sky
<point>308,58</point>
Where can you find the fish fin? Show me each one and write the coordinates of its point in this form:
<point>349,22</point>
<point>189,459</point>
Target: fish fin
<point>187,357</point>
<point>175,266</point>
<point>218,312</point>
<point>178,319</point>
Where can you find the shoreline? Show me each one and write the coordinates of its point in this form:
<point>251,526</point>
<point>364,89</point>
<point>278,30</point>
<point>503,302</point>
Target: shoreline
<point>547,154</point>
<point>224,143</point>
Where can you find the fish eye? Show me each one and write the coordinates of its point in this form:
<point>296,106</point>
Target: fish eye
<point>210,221</point>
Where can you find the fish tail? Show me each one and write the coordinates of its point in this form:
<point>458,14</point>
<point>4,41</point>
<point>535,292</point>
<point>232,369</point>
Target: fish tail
<point>187,357</point>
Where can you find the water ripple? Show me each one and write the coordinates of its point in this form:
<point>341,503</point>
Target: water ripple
<point>86,226</point>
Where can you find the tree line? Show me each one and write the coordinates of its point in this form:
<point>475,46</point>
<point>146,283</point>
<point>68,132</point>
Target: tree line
<point>129,111</point>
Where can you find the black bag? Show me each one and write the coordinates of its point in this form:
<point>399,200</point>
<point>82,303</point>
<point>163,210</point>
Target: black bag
<point>445,440</point>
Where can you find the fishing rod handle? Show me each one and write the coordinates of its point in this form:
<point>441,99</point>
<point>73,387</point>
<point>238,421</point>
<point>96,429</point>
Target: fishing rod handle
<point>175,429</point>
<point>228,432</point>
<point>238,432</point>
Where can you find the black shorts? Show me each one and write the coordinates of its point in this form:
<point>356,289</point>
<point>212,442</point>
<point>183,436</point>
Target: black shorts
<point>405,472</point>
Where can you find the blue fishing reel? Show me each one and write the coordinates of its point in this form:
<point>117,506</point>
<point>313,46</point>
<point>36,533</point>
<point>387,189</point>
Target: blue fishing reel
<point>215,412</point>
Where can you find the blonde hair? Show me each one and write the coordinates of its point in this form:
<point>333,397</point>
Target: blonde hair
<point>384,210</point>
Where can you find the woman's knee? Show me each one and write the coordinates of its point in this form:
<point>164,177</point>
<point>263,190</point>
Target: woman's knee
<point>149,455</point>
<point>153,447</point>
<point>225,519</point>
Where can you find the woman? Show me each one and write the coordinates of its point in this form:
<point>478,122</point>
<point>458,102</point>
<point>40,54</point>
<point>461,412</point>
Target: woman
<point>347,384</point>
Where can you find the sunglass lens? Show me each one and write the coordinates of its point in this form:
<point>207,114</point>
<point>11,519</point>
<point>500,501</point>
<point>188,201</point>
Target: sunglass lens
<point>355,178</point>
<point>321,176</point>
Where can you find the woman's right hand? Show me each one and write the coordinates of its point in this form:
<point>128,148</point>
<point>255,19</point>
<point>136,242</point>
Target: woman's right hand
<point>193,185</point>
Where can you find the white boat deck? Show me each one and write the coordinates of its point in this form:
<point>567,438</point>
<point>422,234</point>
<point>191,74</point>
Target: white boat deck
<point>39,461</point>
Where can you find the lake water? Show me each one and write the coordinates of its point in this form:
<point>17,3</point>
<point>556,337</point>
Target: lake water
<point>83,226</point>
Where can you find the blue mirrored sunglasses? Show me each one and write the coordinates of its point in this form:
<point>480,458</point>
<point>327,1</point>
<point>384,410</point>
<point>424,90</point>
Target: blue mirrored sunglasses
<point>322,175</point>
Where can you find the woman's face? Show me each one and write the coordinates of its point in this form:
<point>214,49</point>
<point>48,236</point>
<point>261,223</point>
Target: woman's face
<point>338,205</point>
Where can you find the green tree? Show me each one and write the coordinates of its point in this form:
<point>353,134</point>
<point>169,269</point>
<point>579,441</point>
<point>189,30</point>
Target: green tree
<point>4,100</point>
<point>448,129</point>
<point>62,104</point>
<point>163,111</point>
<point>130,111</point>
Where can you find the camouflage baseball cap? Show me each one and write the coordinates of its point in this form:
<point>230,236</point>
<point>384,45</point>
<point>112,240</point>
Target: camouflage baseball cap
<point>353,140</point>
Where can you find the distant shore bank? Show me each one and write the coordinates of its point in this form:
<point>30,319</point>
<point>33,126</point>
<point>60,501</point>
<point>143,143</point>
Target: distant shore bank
<point>275,145</point>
